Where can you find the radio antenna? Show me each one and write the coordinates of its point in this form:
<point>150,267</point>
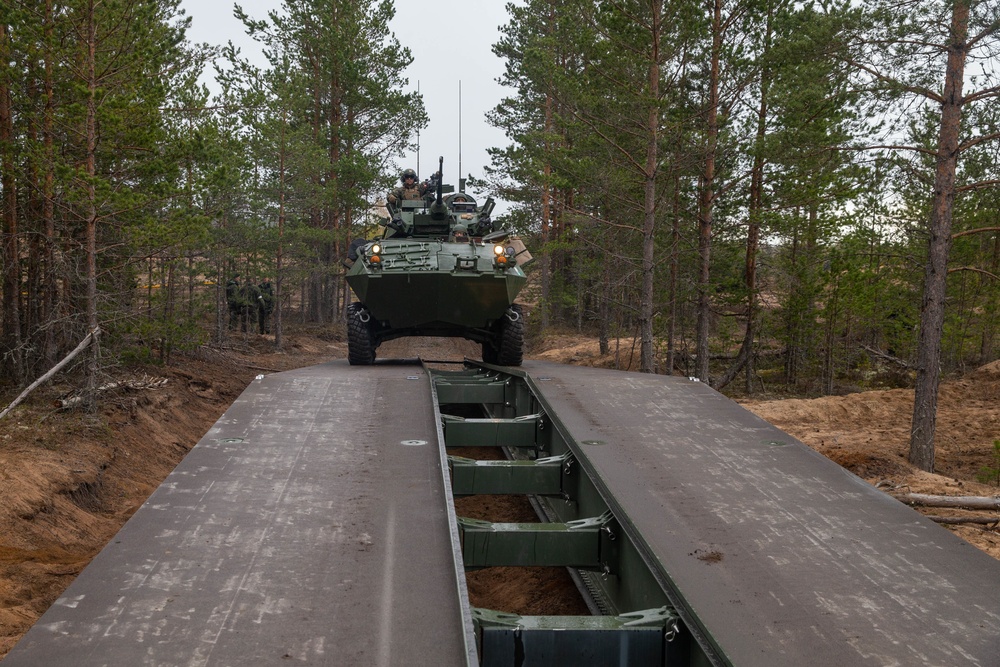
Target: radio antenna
<point>418,136</point>
<point>461,179</point>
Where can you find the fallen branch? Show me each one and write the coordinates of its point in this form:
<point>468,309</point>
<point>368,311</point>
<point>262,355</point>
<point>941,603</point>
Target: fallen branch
<point>887,357</point>
<point>145,382</point>
<point>88,339</point>
<point>984,520</point>
<point>968,502</point>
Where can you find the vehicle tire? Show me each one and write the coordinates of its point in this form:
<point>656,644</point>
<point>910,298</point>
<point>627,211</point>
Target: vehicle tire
<point>511,341</point>
<point>360,342</point>
<point>489,353</point>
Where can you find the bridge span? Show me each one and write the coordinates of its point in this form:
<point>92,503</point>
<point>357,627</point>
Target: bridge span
<point>314,524</point>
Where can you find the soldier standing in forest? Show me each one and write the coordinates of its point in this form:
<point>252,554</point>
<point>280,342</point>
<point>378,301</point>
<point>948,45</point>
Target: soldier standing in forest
<point>233,300</point>
<point>244,301</point>
<point>265,306</point>
<point>249,303</point>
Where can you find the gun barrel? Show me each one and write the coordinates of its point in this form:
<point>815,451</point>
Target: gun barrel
<point>440,183</point>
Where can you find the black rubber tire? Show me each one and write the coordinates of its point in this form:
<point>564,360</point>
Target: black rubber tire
<point>360,342</point>
<point>511,342</point>
<point>489,353</point>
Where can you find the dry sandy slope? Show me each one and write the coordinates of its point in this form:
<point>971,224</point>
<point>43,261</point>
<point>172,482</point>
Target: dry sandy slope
<point>868,433</point>
<point>68,481</point>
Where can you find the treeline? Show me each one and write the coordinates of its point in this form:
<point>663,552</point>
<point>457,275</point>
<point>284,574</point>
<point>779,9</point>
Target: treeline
<point>130,195</point>
<point>806,186</point>
<point>782,192</point>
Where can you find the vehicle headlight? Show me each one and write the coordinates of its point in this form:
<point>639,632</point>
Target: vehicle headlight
<point>376,249</point>
<point>498,250</point>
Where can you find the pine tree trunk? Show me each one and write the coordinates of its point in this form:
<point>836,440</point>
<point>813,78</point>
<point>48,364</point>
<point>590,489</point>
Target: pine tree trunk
<point>90,219</point>
<point>744,360</point>
<point>646,362</point>
<point>546,263</point>
<point>708,197</point>
<point>793,328</point>
<point>604,333</point>
<point>276,312</point>
<point>675,265</point>
<point>935,277</point>
<point>50,279</point>
<point>11,335</point>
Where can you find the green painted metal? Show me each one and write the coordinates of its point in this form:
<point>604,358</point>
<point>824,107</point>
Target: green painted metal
<point>420,296</point>
<point>471,393</point>
<point>540,477</point>
<point>628,640</point>
<point>634,584</point>
<point>579,530</point>
<point>572,544</point>
<point>664,619</point>
<point>439,270</point>
<point>497,432</point>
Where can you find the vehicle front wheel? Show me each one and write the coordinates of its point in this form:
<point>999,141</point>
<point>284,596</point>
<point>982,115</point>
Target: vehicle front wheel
<point>360,342</point>
<point>511,340</point>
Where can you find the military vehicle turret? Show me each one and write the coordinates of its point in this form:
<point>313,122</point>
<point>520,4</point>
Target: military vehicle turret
<point>440,269</point>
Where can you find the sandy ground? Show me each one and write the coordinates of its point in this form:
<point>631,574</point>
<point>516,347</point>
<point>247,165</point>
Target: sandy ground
<point>868,433</point>
<point>68,481</point>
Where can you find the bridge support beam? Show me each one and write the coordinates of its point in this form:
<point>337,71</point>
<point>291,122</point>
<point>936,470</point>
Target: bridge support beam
<point>516,432</point>
<point>539,477</point>
<point>471,391</point>
<point>584,544</point>
<point>638,638</point>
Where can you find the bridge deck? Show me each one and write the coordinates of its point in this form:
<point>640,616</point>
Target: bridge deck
<point>309,525</point>
<point>788,559</point>
<point>294,530</point>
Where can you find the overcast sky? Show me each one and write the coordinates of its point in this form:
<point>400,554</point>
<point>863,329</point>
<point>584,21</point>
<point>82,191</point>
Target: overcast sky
<point>451,42</point>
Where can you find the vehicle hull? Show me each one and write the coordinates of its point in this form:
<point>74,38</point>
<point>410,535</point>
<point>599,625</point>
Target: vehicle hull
<point>434,285</point>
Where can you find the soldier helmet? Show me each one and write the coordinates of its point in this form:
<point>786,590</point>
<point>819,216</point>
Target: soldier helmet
<point>407,173</point>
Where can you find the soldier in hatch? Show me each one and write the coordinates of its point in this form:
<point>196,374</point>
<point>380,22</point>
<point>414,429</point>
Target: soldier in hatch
<point>409,188</point>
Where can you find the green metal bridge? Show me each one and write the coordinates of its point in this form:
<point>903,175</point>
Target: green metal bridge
<point>315,524</point>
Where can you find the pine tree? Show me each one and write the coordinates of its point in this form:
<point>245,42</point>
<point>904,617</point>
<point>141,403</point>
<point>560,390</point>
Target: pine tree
<point>346,87</point>
<point>922,53</point>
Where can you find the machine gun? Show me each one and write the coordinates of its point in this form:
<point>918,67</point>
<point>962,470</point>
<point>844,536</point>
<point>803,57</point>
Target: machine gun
<point>485,223</point>
<point>438,210</point>
<point>431,185</point>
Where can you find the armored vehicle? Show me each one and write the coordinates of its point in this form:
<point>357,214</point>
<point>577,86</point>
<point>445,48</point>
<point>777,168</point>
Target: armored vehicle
<point>440,269</point>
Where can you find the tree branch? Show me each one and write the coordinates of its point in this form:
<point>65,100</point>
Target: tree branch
<point>980,230</point>
<point>88,339</point>
<point>978,140</point>
<point>977,185</point>
<point>974,270</point>
<point>916,90</point>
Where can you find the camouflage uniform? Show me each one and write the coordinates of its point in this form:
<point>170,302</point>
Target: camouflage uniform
<point>233,300</point>
<point>404,193</point>
<point>265,306</point>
